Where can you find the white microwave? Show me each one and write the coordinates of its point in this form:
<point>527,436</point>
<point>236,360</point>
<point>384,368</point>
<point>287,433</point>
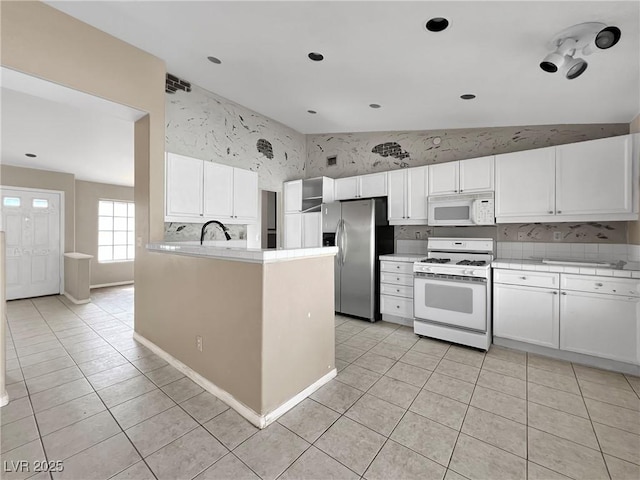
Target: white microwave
<point>454,210</point>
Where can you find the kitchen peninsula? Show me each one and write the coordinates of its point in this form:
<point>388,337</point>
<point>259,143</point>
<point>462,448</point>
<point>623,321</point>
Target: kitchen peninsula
<point>254,327</point>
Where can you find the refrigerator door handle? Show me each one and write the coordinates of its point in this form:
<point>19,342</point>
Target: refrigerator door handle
<point>338,241</point>
<point>344,240</point>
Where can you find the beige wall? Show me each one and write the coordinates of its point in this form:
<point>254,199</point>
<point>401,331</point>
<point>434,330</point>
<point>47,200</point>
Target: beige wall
<point>634,227</point>
<point>87,196</point>
<point>47,180</point>
<point>298,327</point>
<point>218,300</point>
<point>43,42</point>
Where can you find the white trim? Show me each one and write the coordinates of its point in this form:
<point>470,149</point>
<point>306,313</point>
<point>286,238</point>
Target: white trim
<point>112,284</point>
<point>4,399</point>
<point>75,300</point>
<point>62,222</point>
<point>603,363</point>
<point>260,421</point>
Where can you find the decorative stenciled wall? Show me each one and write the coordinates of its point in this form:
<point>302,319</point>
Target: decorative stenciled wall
<point>203,125</point>
<point>360,153</point>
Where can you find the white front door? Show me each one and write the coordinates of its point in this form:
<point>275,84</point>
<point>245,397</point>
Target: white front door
<point>31,221</point>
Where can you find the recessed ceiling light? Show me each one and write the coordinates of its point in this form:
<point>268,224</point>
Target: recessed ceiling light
<point>312,112</point>
<point>374,105</point>
<point>437,24</point>
<point>468,96</point>
<point>30,155</point>
<point>316,57</point>
<point>215,60</point>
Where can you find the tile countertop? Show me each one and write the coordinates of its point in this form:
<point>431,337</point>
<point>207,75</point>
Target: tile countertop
<point>240,254</point>
<point>403,257</point>
<point>628,270</point>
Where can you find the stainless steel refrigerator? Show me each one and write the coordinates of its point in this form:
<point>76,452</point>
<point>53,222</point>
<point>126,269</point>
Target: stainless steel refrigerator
<point>359,228</point>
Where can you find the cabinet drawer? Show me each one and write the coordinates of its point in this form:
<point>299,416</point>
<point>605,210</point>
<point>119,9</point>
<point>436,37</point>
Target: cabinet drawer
<point>398,267</point>
<point>594,284</point>
<point>527,278</point>
<point>402,307</point>
<point>396,278</point>
<point>396,290</point>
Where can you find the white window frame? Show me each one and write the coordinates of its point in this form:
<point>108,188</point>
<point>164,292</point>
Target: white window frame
<point>107,225</point>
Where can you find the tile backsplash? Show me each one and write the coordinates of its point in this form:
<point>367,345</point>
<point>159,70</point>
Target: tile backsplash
<point>565,251</point>
<point>184,232</point>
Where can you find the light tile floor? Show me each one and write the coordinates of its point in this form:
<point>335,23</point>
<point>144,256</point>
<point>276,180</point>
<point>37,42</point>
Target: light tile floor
<point>85,393</point>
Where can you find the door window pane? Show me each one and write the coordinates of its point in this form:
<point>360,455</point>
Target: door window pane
<point>40,203</point>
<point>11,201</point>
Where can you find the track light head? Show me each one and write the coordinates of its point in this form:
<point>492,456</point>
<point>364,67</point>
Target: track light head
<point>574,67</point>
<point>607,37</point>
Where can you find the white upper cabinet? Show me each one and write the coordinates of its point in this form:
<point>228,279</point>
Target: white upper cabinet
<point>586,181</point>
<point>218,190</point>
<point>525,184</point>
<point>443,178</point>
<point>245,196</point>
<point>183,187</point>
<point>594,177</point>
<point>198,190</point>
<point>293,196</point>
<point>476,174</point>
<point>407,196</point>
<point>362,186</point>
<point>346,188</point>
<point>462,176</point>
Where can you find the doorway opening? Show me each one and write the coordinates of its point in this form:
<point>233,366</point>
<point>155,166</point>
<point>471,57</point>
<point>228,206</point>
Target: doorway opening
<point>269,219</point>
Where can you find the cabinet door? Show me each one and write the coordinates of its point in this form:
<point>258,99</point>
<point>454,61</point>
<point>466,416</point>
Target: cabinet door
<point>218,191</point>
<point>443,178</point>
<point>373,185</point>
<point>476,174</point>
<point>245,195</point>
<point>601,325</point>
<point>417,182</point>
<point>312,229</point>
<point>293,196</point>
<point>346,188</point>
<point>184,186</point>
<point>396,195</point>
<point>594,177</point>
<point>525,185</point>
<point>526,314</point>
<point>293,230</point>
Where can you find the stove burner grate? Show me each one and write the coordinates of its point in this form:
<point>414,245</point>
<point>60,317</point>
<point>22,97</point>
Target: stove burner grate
<point>473,263</point>
<point>436,260</point>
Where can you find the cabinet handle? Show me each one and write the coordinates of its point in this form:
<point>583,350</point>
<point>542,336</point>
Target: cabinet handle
<point>550,211</point>
<point>564,293</point>
<point>398,267</point>
<point>456,191</point>
<point>202,215</point>
<point>398,279</point>
<point>397,306</point>
<point>461,190</point>
<point>398,290</point>
<point>599,285</point>
<point>523,278</point>
<point>559,211</point>
<point>554,292</point>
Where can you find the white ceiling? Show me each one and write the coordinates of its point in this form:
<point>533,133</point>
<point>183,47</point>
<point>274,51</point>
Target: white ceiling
<point>69,131</point>
<point>379,52</point>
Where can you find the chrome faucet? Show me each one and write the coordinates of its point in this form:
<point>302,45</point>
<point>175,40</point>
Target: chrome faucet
<point>204,227</point>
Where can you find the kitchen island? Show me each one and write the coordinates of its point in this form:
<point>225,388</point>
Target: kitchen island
<point>254,327</point>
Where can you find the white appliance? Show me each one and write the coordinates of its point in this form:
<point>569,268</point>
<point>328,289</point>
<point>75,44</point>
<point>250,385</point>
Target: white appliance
<point>452,291</point>
<point>454,210</point>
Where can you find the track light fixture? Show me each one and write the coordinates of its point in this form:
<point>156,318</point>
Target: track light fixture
<point>583,38</point>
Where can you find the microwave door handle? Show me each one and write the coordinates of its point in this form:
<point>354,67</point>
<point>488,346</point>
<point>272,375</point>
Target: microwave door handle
<point>472,211</point>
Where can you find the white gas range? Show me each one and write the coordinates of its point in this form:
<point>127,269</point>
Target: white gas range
<point>452,291</point>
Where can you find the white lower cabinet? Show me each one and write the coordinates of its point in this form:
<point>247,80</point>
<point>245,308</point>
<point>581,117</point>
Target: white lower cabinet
<point>601,325</point>
<point>396,290</point>
<point>526,314</point>
<point>591,315</point>
<point>303,230</point>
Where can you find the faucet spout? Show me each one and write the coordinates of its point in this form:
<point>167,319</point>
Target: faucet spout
<point>204,227</point>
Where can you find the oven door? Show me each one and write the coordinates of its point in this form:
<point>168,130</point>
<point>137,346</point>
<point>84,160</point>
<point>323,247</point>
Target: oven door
<point>450,301</point>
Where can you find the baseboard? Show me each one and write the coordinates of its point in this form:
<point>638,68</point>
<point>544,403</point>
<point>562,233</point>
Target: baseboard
<point>603,363</point>
<point>4,399</point>
<point>407,322</point>
<point>112,284</point>
<point>75,300</point>
<point>260,421</point>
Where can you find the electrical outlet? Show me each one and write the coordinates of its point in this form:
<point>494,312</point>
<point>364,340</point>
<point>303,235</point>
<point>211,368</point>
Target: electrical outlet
<point>199,343</point>
<point>522,236</point>
<point>557,236</point>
